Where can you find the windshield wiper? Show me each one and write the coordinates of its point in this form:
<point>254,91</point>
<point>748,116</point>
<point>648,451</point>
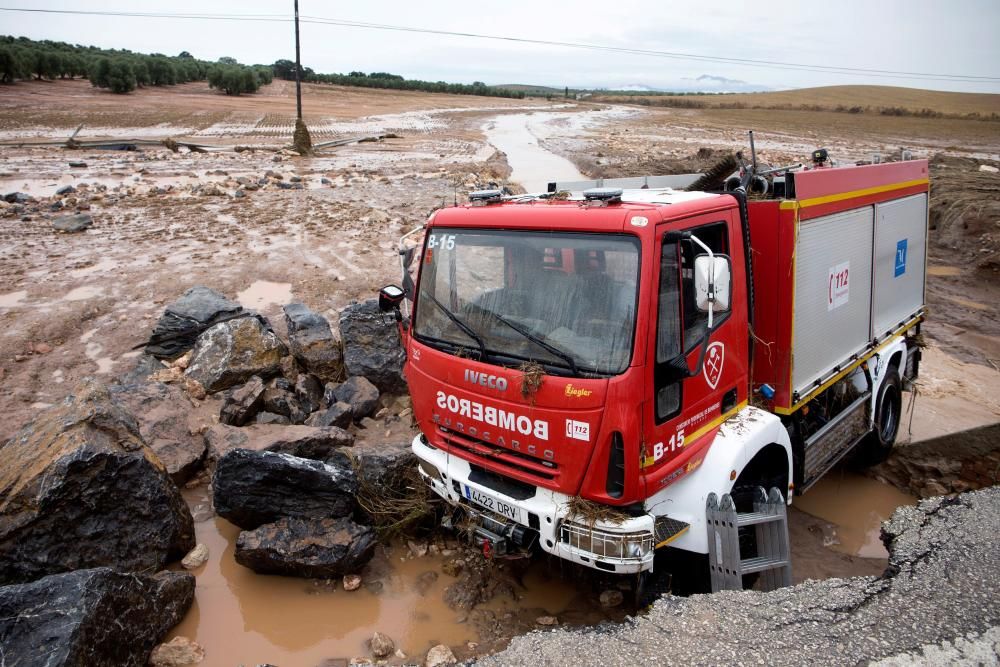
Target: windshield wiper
<point>534,339</point>
<point>460,324</point>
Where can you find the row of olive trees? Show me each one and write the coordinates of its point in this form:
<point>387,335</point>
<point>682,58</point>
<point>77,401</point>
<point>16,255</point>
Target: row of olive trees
<point>285,69</point>
<point>122,71</point>
<point>235,79</point>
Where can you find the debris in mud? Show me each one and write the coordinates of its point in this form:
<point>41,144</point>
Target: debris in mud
<point>195,558</point>
<point>587,511</point>
<point>178,652</point>
<point>531,379</point>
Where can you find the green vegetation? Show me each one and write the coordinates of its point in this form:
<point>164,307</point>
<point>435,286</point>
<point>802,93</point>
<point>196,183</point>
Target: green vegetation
<point>119,70</point>
<point>285,69</point>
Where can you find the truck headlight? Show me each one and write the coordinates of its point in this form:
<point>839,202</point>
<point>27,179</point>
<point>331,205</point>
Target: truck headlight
<point>606,543</point>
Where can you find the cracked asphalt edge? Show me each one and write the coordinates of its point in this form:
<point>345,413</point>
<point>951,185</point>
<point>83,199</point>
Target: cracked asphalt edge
<point>940,593</point>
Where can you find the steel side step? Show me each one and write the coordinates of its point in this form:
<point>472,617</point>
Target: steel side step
<point>760,564</point>
<point>754,518</point>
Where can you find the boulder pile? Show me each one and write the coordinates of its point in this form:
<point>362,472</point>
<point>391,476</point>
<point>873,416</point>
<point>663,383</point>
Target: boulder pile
<point>88,512</point>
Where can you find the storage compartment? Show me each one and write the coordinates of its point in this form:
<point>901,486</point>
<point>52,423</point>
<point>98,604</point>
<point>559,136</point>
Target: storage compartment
<point>900,249</point>
<point>833,279</point>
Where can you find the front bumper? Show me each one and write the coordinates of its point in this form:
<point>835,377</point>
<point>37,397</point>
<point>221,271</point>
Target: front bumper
<point>623,548</point>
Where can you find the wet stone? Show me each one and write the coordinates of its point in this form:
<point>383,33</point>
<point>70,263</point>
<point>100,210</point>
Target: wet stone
<point>315,548</point>
<point>338,414</point>
<point>360,394</point>
<point>195,558</point>
<point>242,403</point>
<point>312,342</point>
<point>371,346</point>
<point>178,652</point>
<point>309,391</point>
<point>382,645</point>
<point>270,418</point>
<point>163,426</point>
<point>81,489</point>
<point>231,352</point>
<point>183,320</point>
<point>91,617</point>
<point>73,223</point>
<point>253,488</point>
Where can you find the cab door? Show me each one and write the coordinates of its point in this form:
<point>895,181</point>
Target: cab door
<point>697,376</point>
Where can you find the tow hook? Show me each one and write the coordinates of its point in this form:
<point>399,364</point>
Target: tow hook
<point>487,549</point>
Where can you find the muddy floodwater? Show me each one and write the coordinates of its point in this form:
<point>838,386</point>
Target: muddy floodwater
<point>856,506</point>
<point>532,165</point>
<point>240,617</point>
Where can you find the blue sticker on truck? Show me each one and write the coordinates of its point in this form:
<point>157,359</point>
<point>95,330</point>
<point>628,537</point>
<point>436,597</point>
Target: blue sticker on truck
<point>900,258</point>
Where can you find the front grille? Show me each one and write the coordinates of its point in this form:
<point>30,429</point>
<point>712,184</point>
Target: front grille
<point>512,461</point>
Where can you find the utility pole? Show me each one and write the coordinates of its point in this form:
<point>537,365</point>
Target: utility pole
<point>298,67</point>
<point>301,140</point>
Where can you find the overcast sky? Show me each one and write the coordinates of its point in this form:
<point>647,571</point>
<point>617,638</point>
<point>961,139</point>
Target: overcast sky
<point>956,37</point>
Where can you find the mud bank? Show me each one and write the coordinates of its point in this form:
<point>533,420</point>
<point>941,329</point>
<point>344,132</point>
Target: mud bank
<point>940,587</point>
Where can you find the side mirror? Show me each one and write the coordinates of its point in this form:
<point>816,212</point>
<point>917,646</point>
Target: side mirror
<point>712,281</point>
<point>389,298</point>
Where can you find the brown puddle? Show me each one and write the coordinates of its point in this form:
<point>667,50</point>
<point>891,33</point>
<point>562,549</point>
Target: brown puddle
<point>856,505</point>
<point>240,617</point>
<point>944,271</point>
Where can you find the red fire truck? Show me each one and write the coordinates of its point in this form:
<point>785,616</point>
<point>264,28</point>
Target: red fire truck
<point>586,368</point>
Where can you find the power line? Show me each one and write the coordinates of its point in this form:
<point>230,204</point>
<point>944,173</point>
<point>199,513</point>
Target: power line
<point>727,60</point>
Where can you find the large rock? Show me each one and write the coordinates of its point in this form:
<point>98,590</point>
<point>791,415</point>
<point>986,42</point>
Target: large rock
<point>184,320</point>
<point>304,441</point>
<point>371,346</point>
<point>360,394</point>
<point>309,391</point>
<point>338,414</point>
<point>79,488</point>
<point>73,223</point>
<point>253,488</point>
<point>91,617</point>
<point>232,352</point>
<point>165,424</point>
<point>242,403</point>
<point>312,342</point>
<point>315,548</point>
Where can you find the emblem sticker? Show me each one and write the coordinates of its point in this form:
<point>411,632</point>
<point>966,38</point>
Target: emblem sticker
<point>715,357</point>
<point>578,430</point>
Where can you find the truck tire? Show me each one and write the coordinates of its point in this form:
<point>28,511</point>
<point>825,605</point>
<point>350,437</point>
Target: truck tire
<point>877,445</point>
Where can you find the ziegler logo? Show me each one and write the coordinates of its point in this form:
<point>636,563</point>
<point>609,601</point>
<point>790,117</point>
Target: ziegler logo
<point>577,392</point>
<point>490,381</point>
<point>715,357</point>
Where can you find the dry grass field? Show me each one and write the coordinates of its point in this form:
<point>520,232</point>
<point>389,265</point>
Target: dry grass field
<point>831,97</point>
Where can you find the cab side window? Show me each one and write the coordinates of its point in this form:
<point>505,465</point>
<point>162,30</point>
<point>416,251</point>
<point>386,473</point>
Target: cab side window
<point>668,333</point>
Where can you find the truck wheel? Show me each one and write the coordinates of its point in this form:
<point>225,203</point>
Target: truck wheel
<point>878,444</point>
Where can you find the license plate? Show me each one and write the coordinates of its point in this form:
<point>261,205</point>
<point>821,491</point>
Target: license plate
<point>503,508</point>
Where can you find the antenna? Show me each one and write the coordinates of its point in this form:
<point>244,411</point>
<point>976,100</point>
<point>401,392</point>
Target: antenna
<point>753,153</point>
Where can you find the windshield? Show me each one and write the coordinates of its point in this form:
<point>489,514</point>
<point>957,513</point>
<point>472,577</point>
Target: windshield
<point>566,301</point>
